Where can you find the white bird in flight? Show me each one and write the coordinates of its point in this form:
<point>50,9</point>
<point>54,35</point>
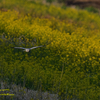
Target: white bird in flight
<point>27,49</point>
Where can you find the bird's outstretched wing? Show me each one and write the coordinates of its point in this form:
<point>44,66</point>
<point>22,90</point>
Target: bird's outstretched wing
<point>36,47</point>
<point>19,48</point>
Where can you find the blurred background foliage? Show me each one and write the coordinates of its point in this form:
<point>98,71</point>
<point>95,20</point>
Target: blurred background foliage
<point>67,65</point>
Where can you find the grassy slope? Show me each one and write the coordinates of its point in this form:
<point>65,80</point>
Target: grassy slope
<point>63,64</point>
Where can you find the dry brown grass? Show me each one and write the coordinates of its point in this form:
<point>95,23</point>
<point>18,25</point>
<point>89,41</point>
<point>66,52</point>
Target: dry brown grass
<point>22,93</point>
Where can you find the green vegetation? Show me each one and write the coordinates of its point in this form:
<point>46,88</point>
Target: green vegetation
<point>69,64</point>
<point>92,9</point>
